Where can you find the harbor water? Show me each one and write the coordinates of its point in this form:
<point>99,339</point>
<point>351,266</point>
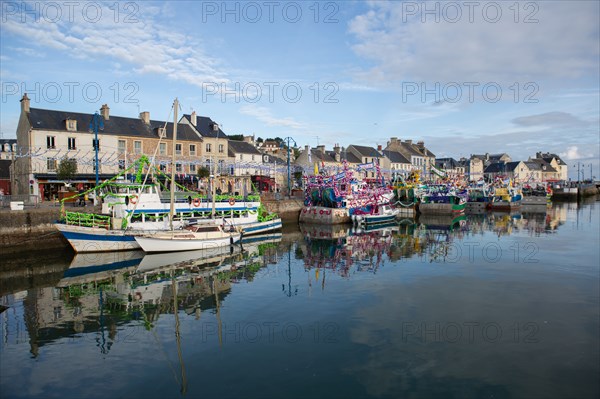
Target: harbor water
<point>495,305</point>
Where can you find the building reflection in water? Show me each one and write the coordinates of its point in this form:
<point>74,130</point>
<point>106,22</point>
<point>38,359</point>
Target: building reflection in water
<point>102,293</point>
<point>99,294</point>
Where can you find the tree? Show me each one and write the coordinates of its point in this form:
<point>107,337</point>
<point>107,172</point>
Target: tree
<point>236,137</point>
<point>203,172</point>
<point>259,140</point>
<point>67,169</point>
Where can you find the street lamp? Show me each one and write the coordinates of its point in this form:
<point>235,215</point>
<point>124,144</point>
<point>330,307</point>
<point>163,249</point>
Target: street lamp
<point>96,123</point>
<point>288,162</point>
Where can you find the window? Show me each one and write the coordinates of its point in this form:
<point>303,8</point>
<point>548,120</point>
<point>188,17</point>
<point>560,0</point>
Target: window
<point>163,167</point>
<point>221,148</point>
<point>178,149</point>
<point>178,167</point>
<point>51,164</point>
<point>192,168</point>
<point>192,149</point>
<point>71,143</point>
<point>71,125</point>
<point>50,142</point>
<point>99,167</point>
<point>208,147</point>
<point>121,146</point>
<point>137,147</point>
<point>121,164</point>
<point>96,144</point>
<point>163,148</point>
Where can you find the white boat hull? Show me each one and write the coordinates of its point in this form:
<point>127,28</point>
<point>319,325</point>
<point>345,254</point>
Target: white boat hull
<point>92,239</point>
<point>167,242</point>
<point>260,227</point>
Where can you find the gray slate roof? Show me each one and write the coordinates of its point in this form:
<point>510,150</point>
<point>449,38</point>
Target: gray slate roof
<point>395,156</point>
<point>52,120</point>
<point>204,126</point>
<point>242,147</point>
<point>366,151</point>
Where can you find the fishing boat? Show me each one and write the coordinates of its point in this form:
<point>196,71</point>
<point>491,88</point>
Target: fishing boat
<point>536,194</point>
<point>441,199</point>
<point>506,198</point>
<point>379,214</point>
<point>336,199</point>
<point>479,198</point>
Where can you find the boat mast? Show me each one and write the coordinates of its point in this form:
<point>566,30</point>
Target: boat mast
<point>172,210</point>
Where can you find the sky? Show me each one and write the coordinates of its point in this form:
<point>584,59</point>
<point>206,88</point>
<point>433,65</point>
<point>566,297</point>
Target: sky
<point>466,77</point>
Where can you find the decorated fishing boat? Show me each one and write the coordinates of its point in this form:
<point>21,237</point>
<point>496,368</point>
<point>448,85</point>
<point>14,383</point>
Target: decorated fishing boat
<point>442,199</point>
<point>538,194</point>
<point>405,198</point>
<point>506,198</point>
<point>479,198</point>
<point>336,199</point>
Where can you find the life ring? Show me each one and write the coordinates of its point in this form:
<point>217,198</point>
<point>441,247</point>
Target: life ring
<point>232,201</point>
<point>133,199</point>
<point>196,202</point>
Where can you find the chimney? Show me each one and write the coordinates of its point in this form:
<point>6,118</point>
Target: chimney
<point>25,103</point>
<point>538,154</point>
<point>408,141</point>
<point>307,148</point>
<point>193,119</point>
<point>421,144</point>
<point>336,148</point>
<point>145,117</point>
<point>379,148</point>
<point>321,148</point>
<point>104,111</point>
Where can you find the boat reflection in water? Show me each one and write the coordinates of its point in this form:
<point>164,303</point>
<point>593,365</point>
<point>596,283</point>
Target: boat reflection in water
<point>101,294</point>
<point>348,249</point>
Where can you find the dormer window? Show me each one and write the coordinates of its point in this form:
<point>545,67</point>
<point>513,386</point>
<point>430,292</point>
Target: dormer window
<point>215,127</point>
<point>71,125</point>
<point>162,132</point>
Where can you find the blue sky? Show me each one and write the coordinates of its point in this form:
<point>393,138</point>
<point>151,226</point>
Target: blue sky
<point>465,77</point>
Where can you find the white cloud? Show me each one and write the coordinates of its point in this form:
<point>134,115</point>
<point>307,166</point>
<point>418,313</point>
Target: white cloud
<point>403,48</point>
<point>264,115</point>
<point>573,152</point>
<point>146,47</point>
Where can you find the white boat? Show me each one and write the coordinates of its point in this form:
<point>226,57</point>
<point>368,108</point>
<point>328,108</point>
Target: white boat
<point>191,238</point>
<point>381,214</point>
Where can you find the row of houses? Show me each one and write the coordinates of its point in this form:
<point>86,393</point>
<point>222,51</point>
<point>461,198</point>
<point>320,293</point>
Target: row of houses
<point>542,167</point>
<point>45,137</point>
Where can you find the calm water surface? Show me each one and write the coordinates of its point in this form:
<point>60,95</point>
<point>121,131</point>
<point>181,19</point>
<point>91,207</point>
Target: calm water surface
<point>497,305</point>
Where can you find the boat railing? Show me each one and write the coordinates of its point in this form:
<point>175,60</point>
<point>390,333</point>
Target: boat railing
<point>87,220</point>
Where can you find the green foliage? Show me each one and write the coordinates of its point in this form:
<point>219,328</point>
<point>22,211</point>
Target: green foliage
<point>203,172</point>
<point>236,137</point>
<point>259,140</point>
<point>67,169</point>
